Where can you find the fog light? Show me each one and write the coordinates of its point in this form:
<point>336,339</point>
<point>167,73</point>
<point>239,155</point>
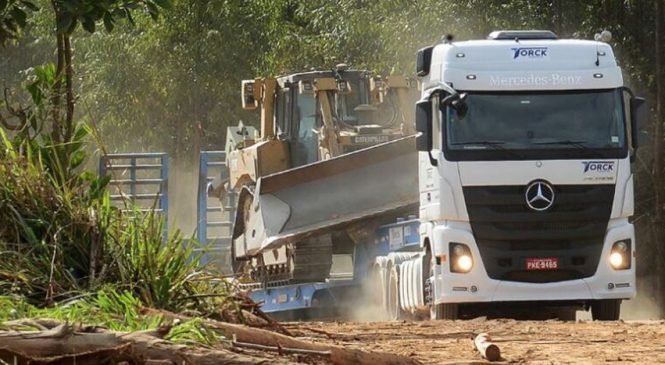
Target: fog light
<point>461,260</point>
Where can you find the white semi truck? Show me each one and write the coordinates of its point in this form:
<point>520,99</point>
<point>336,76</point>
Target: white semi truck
<point>526,187</point>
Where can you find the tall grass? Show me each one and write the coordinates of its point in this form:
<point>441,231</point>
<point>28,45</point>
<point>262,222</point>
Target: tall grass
<point>60,236</point>
<point>109,308</point>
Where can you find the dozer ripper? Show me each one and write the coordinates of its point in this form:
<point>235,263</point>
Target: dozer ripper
<point>335,158</point>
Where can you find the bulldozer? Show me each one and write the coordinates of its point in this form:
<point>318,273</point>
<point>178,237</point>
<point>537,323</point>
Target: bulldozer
<point>334,158</point>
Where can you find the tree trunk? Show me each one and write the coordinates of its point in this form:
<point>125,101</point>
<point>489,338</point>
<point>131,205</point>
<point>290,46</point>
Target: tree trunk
<point>56,93</point>
<point>658,139</point>
<point>69,92</point>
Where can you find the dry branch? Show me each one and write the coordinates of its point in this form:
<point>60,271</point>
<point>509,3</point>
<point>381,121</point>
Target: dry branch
<point>63,345</point>
<point>281,350</point>
<point>487,349</point>
<point>64,341</point>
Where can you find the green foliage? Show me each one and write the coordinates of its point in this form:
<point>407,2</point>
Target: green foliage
<point>62,236</point>
<point>13,17</point>
<point>194,332</point>
<point>160,273</point>
<point>109,308</point>
<point>70,13</point>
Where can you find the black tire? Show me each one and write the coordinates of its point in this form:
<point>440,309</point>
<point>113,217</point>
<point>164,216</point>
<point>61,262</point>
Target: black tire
<point>567,314</point>
<point>394,306</point>
<point>606,310</point>
<point>444,311</point>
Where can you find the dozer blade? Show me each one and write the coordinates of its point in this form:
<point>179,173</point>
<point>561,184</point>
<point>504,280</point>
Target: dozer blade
<point>326,196</point>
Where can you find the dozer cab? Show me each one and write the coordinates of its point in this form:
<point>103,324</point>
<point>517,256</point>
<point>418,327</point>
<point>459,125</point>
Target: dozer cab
<point>335,158</point>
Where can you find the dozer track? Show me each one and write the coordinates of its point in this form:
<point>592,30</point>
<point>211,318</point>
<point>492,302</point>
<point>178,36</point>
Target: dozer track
<point>312,259</point>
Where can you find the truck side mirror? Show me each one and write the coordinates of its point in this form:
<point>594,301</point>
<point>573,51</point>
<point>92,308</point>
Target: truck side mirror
<point>424,128</point>
<point>424,61</point>
<point>638,119</point>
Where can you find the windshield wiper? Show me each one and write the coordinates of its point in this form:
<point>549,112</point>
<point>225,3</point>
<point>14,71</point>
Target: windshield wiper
<point>492,144</point>
<point>566,142</point>
<point>497,144</point>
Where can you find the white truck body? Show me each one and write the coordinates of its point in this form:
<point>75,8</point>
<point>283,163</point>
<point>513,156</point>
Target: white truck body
<point>477,194</point>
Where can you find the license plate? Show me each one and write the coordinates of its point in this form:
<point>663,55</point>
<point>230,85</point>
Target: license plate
<point>542,263</point>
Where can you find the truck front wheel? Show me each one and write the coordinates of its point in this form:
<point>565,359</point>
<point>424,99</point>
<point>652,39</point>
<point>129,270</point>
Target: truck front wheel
<point>606,309</point>
<point>444,311</point>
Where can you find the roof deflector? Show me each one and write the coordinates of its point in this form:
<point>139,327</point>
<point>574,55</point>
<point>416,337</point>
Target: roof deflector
<point>521,34</point>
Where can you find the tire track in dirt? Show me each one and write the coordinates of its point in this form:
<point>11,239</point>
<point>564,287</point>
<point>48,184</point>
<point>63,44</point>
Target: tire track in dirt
<point>545,342</point>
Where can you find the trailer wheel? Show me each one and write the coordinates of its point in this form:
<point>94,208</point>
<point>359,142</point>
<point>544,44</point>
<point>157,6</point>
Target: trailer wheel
<point>394,306</point>
<point>606,309</point>
<point>378,290</point>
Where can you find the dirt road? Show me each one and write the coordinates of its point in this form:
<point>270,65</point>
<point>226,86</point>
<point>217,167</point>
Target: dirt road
<point>533,342</point>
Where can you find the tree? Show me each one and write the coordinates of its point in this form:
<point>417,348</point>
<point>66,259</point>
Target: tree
<point>658,149</point>
<point>13,17</point>
<point>66,15</point>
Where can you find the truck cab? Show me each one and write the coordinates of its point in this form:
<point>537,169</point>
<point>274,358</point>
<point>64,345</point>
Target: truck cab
<point>525,180</point>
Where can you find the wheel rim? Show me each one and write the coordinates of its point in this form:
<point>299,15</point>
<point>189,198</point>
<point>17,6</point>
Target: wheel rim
<point>430,275</point>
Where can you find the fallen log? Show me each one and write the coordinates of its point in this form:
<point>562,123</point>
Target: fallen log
<point>63,345</point>
<point>338,355</point>
<point>62,342</point>
<point>487,349</point>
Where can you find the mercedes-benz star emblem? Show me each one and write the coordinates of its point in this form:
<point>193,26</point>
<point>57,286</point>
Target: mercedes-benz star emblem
<point>539,195</point>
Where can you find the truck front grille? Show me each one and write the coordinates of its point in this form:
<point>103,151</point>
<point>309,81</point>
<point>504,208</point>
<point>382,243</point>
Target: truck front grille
<point>508,232</point>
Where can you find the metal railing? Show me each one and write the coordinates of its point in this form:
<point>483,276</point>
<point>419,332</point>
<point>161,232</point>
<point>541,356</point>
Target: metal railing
<point>140,178</point>
<point>214,220</point>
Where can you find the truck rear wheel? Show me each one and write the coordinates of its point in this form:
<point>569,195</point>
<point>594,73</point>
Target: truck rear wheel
<point>394,306</point>
<point>606,310</point>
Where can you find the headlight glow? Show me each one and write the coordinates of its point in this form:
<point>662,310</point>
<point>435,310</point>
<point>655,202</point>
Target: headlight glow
<point>616,260</point>
<point>621,255</point>
<point>464,263</point>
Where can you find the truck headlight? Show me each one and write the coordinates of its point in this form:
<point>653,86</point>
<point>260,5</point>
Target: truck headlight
<point>461,260</point>
<point>620,255</point>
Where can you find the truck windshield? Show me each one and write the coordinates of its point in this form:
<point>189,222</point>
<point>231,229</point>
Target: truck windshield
<point>561,124</point>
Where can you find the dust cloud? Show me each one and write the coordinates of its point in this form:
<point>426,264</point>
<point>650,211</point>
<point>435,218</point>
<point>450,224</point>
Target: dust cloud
<point>183,195</point>
<point>364,307</point>
<point>645,305</point>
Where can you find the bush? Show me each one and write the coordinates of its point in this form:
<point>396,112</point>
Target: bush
<point>60,236</point>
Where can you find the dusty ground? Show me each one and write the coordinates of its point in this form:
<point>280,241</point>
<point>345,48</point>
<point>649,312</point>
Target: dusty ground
<point>533,342</point>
